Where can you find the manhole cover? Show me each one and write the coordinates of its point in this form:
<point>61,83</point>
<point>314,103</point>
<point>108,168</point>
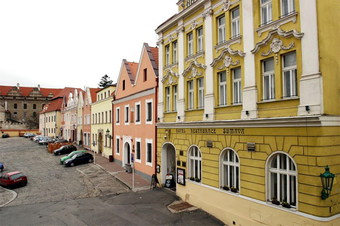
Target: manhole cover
<point>180,206</point>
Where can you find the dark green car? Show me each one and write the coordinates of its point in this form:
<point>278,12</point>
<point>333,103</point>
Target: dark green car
<point>63,159</point>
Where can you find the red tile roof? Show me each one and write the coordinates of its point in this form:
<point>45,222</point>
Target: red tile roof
<point>93,92</point>
<point>131,68</point>
<point>54,105</point>
<point>25,91</point>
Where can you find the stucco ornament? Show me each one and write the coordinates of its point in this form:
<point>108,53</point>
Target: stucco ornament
<point>170,77</point>
<point>193,25</point>
<point>227,62</point>
<point>275,47</point>
<point>226,5</point>
<point>193,69</point>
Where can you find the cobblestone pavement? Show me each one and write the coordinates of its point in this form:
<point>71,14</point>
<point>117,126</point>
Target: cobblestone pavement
<point>48,180</point>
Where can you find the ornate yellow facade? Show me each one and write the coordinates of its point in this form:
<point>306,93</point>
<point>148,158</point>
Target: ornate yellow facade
<point>247,108</point>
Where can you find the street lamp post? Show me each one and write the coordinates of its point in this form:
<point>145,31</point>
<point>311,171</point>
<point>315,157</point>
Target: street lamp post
<point>94,153</point>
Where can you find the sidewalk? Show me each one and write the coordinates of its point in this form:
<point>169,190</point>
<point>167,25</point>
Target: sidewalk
<point>137,183</point>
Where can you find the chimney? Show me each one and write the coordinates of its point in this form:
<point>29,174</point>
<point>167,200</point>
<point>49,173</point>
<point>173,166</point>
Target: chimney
<point>39,87</point>
<point>18,85</point>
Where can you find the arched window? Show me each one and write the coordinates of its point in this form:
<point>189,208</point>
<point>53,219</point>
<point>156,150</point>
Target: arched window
<point>282,179</point>
<point>230,170</point>
<point>195,164</point>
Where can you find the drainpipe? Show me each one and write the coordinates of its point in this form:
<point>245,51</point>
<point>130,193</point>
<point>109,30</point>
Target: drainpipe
<point>156,121</point>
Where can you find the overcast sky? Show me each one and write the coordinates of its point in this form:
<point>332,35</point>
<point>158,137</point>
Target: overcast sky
<point>58,43</point>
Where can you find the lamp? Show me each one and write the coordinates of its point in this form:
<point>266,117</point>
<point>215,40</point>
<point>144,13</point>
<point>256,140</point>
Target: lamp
<point>107,132</point>
<point>94,143</point>
<point>307,108</point>
<point>327,179</point>
<point>247,113</point>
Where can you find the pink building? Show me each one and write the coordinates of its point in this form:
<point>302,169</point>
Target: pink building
<point>134,110</point>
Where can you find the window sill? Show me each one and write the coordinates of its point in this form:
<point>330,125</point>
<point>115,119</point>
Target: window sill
<point>228,106</point>
<point>170,65</point>
<point>229,42</point>
<point>278,100</point>
<point>293,209</point>
<point>196,109</point>
<point>170,112</point>
<point>198,54</point>
<point>277,23</point>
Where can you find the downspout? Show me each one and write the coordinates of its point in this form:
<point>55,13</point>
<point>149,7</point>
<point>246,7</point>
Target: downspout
<point>156,121</point>
<point>112,123</point>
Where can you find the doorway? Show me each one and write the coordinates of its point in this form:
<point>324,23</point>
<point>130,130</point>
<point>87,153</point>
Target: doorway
<point>168,161</point>
<point>127,153</point>
<point>100,143</point>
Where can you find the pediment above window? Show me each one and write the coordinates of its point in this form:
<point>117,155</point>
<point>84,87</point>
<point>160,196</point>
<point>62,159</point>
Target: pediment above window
<point>226,57</point>
<point>170,77</point>
<point>276,42</point>
<point>194,69</point>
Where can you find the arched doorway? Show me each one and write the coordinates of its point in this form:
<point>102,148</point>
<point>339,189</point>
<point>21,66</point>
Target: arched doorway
<point>127,153</point>
<point>100,143</point>
<point>168,161</point>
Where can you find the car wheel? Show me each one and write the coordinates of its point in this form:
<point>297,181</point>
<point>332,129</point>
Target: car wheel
<point>72,164</point>
<point>58,153</point>
<point>24,183</point>
<point>90,160</point>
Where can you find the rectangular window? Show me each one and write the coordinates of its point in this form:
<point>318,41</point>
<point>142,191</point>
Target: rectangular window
<point>148,111</point>
<point>289,75</point>
<point>138,150</point>
<point>235,22</point>
<point>174,52</point>
<point>123,84</point>
<point>287,7</point>
<point>266,11</point>
<point>106,117</point>
<point>200,84</point>
<point>190,44</point>
<point>110,116</point>
<point>34,106</point>
<point>199,33</point>
<point>167,55</point>
<point>268,79</point>
<point>222,80</point>
<point>137,112</point>
<point>117,145</point>
<point>145,73</point>
<point>191,94</point>
<point>174,98</point>
<point>167,99</point>
<point>117,115</point>
<point>237,90</point>
<point>149,152</point>
<point>25,106</point>
<point>15,106</point>
<point>127,112</point>
<point>221,29</point>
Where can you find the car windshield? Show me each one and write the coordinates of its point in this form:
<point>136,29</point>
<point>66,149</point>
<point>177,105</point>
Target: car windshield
<point>72,154</point>
<point>16,176</point>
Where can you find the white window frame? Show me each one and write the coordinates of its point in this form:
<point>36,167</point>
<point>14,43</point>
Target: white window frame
<point>199,33</point>
<point>118,116</point>
<point>174,99</point>
<point>146,111</point>
<point>278,171</point>
<point>290,7</point>
<point>266,5</point>
<point>148,141</point>
<point>117,145</point>
<point>167,54</point>
<point>192,163</point>
<point>222,89</point>
<point>140,151</point>
<point>235,23</point>
<point>292,78</point>
<point>237,87</point>
<point>167,99</point>
<point>140,113</point>
<point>174,52</point>
<point>271,82</point>
<point>190,94</point>
<point>127,114</point>
<point>230,165</point>
<point>200,92</point>
<point>221,34</point>
<point>190,43</point>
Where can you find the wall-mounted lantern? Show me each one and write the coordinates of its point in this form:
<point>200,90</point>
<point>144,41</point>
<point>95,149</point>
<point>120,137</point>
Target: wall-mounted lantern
<point>327,179</point>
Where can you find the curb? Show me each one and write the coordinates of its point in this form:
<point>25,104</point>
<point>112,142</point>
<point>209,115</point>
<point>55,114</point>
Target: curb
<point>114,175</point>
<point>14,197</point>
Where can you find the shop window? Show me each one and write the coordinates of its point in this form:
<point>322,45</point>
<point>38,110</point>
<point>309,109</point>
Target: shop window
<point>195,164</point>
<point>230,170</point>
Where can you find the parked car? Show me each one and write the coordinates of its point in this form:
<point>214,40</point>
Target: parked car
<point>61,141</point>
<point>5,135</point>
<point>66,149</point>
<point>1,167</point>
<point>37,138</point>
<point>46,140</point>
<point>63,159</point>
<point>13,179</point>
<point>79,158</point>
<point>29,135</point>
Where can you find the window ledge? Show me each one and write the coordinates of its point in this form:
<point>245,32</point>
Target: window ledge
<point>195,109</point>
<point>170,112</point>
<point>293,209</point>
<point>279,100</point>
<point>170,65</point>
<point>199,54</point>
<point>229,42</point>
<point>277,23</point>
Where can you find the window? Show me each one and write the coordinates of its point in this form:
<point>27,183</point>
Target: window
<point>108,93</point>
<point>106,117</point>
<point>98,97</point>
<point>102,117</point>
<point>174,99</point>
<point>287,7</point>
<point>117,145</point>
<point>25,106</point>
<point>34,106</point>
<point>200,83</point>
<point>137,112</point>
<point>167,55</point>
<point>149,152</point>
<point>110,116</point>
<point>235,22</point>
<point>268,79</point>
<point>289,75</point>
<point>101,96</point>
<point>266,11</point>
<point>199,33</point>
<point>127,114</point>
<point>195,163</point>
<point>174,52</point>
<point>117,115</point>
<point>167,99</point>
<point>123,84</point>
<point>282,179</point>
<point>237,90</point>
<point>145,74</point>
<point>191,94</point>
<point>190,44</point>
<point>222,80</point>
<point>15,106</point>
<point>230,169</point>
<point>105,95</point>
<point>148,111</point>
<point>138,150</point>
<point>221,29</point>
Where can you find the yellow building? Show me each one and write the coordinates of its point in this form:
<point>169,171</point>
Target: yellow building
<point>248,108</point>
<point>101,121</point>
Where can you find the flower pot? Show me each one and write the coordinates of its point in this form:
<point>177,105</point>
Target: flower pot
<point>286,205</point>
<point>276,202</point>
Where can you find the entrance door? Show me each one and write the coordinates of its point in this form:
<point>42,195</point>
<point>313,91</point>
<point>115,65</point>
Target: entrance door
<point>100,143</point>
<point>127,153</point>
<point>168,161</point>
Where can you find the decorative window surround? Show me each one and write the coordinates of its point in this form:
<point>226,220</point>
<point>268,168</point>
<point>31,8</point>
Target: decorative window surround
<point>171,65</point>
<point>195,56</point>
<point>277,23</point>
<point>171,76</point>
<point>193,68</point>
<point>223,55</point>
<point>228,43</point>
<point>226,6</point>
